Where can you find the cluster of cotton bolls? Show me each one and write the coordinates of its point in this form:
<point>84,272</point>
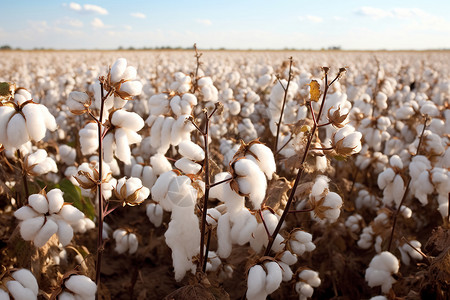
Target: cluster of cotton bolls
<point>78,287</point>
<point>22,120</point>
<point>20,284</point>
<point>375,113</point>
<point>46,215</point>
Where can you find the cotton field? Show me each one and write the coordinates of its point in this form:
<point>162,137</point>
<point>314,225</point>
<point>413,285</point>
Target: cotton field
<point>224,175</point>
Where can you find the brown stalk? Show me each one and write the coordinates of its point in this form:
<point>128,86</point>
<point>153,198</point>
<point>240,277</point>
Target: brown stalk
<point>394,223</point>
<point>301,169</point>
<point>284,103</point>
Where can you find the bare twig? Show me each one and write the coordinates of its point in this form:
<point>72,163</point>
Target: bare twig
<point>284,103</point>
<point>197,57</point>
<point>301,169</point>
<point>394,222</point>
<point>417,250</point>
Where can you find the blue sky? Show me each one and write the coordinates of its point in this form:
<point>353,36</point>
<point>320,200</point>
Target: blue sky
<point>263,24</point>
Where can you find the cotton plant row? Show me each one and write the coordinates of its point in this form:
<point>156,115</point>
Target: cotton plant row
<point>374,120</point>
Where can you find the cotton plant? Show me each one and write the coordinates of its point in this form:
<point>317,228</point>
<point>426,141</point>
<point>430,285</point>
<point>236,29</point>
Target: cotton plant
<point>391,182</point>
<point>380,271</point>
<point>300,242</point>
<point>193,155</point>
<point>326,205</point>
<point>130,191</point>
<point>19,284</point>
<point>47,214</point>
<point>39,163</point>
<point>23,120</point>
<point>88,175</point>
<point>183,233</point>
<point>126,241</point>
<point>307,281</point>
<point>77,287</point>
<point>120,84</point>
<point>263,279</point>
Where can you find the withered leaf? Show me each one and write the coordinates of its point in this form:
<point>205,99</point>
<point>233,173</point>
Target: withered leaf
<point>314,90</point>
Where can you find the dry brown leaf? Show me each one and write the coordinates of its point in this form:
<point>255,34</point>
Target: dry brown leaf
<point>314,90</point>
<point>277,192</point>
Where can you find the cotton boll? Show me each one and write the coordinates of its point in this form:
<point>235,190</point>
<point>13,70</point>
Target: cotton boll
<point>274,277</point>
<point>89,138</point>
<point>6,113</point>
<point>132,243</point>
<point>129,120</point>
<point>263,157</point>
<point>30,227</point>
<point>81,286</point>
<point>251,180</point>
<point>35,124</point>
<point>380,269</point>
<point>155,214</point>
<point>118,69</point>
<point>25,212</point>
<point>191,151</point>
<point>160,164</point>
<point>55,201</point>
<point>181,192</point>
<point>67,154</point>
<point>123,152</point>
<point>256,282</point>
<point>65,232</point>
<point>71,214</point>
<point>39,203</point>
<point>17,133</point>
<point>187,166</point>
<point>45,233</point>
<point>19,292</point>
<point>27,280</point>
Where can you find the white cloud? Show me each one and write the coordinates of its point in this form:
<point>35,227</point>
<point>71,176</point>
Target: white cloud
<point>87,8</point>
<point>312,19</point>
<point>75,6</point>
<point>204,22</point>
<point>128,27</point>
<point>97,23</point>
<point>70,22</point>
<point>373,12</point>
<point>138,15</point>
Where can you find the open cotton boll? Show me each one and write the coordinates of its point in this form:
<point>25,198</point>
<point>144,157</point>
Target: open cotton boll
<point>35,123</point>
<point>17,133</point>
<point>118,69</point>
<point>191,150</point>
<point>81,286</point>
<point>181,193</point>
<point>160,164</point>
<point>27,280</point>
<point>380,269</point>
<point>155,214</point>
<point>131,191</point>
<point>89,138</point>
<point>67,154</point>
<point>129,120</point>
<point>263,157</point>
<point>55,201</point>
<point>251,181</point>
<point>187,166</point>
<point>45,233</point>
<point>301,242</point>
<point>39,203</point>
<point>6,112</point>
<point>161,188</point>
<point>320,185</point>
<point>25,212</point>
<point>256,282</point>
<point>19,292</point>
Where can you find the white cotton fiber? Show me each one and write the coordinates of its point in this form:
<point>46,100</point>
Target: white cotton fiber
<point>187,166</point>
<point>129,120</point>
<point>66,296</point>
<point>81,285</point>
<point>65,232</point>
<point>132,88</point>
<point>48,118</point>
<point>17,132</point>
<point>191,150</point>
<point>155,214</point>
<point>161,186</point>
<point>35,124</point>
<point>19,292</point>
<point>25,212</point>
<point>129,73</point>
<point>26,279</point>
<point>71,214</point>
<point>117,69</point>
<point>132,243</point>
<point>55,201</point>
<point>253,181</point>
<point>160,164</point>
<point>45,233</point>
<point>256,282</point>
<point>30,227</point>
<point>264,158</point>
<point>123,152</point>
<point>274,276</point>
<point>224,236</point>
<point>6,112</point>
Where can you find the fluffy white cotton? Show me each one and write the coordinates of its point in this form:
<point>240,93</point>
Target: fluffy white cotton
<point>380,269</point>
<point>155,214</point>
<point>125,241</point>
<point>251,181</point>
<point>263,157</point>
<point>308,280</point>
<point>262,282</point>
<point>191,151</point>
<point>81,287</point>
<point>131,191</point>
<point>38,163</point>
<point>301,242</point>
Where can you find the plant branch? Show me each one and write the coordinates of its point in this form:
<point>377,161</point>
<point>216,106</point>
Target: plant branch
<point>220,182</point>
<point>301,169</point>
<point>394,223</point>
<point>264,223</point>
<point>301,210</point>
<point>284,103</point>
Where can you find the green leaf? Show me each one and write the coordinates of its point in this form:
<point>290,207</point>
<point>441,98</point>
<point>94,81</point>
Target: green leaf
<point>72,194</point>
